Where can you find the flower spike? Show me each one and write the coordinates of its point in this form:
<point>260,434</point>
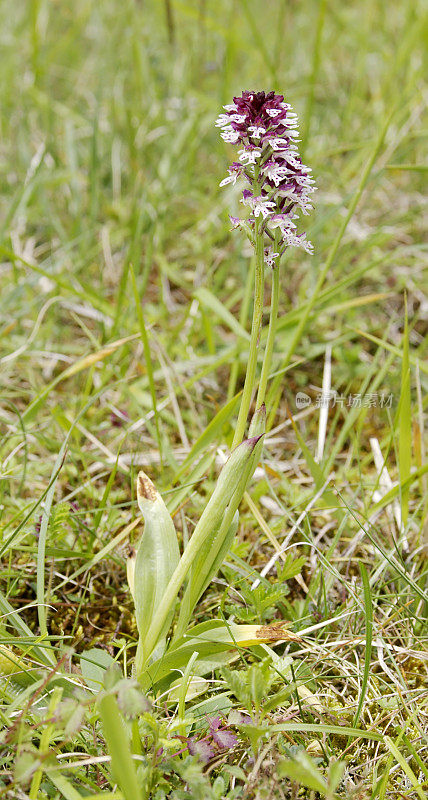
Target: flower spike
<point>265,128</point>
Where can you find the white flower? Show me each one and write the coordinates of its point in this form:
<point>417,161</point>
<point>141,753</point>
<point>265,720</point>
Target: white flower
<point>308,246</point>
<point>282,221</point>
<point>291,239</point>
<point>230,135</point>
<point>229,179</point>
<point>306,181</point>
<point>263,207</point>
<point>256,131</point>
<point>278,143</point>
<point>290,159</point>
<point>282,185</point>
<point>249,156</point>
<point>304,206</point>
<point>259,205</point>
<point>222,120</point>
<point>275,172</point>
<point>270,257</point>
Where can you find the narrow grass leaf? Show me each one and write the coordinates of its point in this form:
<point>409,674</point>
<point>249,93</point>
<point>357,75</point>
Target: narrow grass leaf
<point>368,611</point>
<point>68,792</point>
<point>423,767</point>
<point>213,304</point>
<point>315,469</point>
<point>336,730</point>
<point>41,547</point>
<point>109,484</point>
<point>195,475</point>
<point>118,744</point>
<point>258,38</point>
<point>211,432</point>
<point>316,58</point>
<point>147,356</point>
<point>405,426</point>
<point>392,747</point>
<point>395,491</point>
<point>80,365</point>
<point>413,359</point>
<point>13,617</point>
<point>391,561</point>
<point>303,770</point>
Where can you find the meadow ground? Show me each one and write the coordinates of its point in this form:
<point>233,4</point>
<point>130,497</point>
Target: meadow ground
<point>110,166</point>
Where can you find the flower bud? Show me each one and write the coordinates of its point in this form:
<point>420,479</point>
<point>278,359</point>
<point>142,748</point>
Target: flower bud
<point>258,422</point>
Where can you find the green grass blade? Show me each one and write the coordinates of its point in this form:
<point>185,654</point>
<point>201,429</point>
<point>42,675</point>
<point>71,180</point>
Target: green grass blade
<point>213,304</point>
<point>368,612</point>
<point>81,364</point>
<point>68,792</point>
<point>395,491</point>
<point>195,475</point>
<point>405,426</point>
<point>316,58</point>
<point>423,767</point>
<point>392,562</point>
<point>147,356</point>
<point>109,484</point>
<point>211,432</point>
<point>258,38</point>
<point>413,359</point>
<point>14,618</point>
<point>395,752</point>
<point>41,548</point>
<point>118,744</point>
<point>335,730</point>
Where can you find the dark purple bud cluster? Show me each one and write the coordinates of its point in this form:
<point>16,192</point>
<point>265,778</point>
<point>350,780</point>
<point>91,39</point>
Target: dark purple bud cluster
<point>266,128</point>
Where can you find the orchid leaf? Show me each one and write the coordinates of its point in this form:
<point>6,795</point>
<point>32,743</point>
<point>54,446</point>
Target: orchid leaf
<point>156,558</point>
<point>205,567</point>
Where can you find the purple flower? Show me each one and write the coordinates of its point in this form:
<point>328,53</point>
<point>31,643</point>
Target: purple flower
<point>266,130</point>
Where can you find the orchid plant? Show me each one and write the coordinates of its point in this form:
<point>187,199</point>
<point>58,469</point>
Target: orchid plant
<point>265,127</point>
<point>278,186</point>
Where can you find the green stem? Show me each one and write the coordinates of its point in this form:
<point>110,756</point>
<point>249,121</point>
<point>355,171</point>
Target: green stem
<point>254,343</point>
<point>267,361</point>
